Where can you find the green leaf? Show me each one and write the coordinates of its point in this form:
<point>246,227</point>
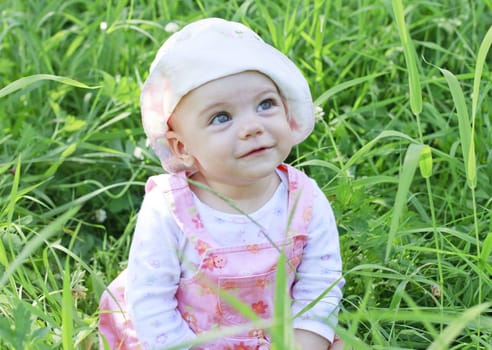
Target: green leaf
<point>481,57</point>
<point>37,241</point>
<point>282,332</point>
<point>26,81</point>
<point>345,85</point>
<point>465,130</point>
<point>73,124</point>
<point>410,58</point>
<point>67,309</point>
<point>486,252</point>
<point>16,333</point>
<point>406,176</point>
<point>425,162</point>
<point>67,152</point>
<point>444,340</point>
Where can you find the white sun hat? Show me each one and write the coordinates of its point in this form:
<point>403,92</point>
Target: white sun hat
<point>210,49</point>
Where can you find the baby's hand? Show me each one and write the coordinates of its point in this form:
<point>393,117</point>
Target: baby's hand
<point>337,344</point>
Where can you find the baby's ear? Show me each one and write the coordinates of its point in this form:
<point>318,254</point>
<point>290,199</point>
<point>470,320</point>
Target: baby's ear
<point>178,148</point>
<point>292,123</point>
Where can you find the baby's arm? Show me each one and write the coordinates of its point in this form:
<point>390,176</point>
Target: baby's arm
<point>319,270</point>
<point>153,276</point>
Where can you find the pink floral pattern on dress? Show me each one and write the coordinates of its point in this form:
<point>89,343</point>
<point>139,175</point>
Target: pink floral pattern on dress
<point>199,303</point>
<point>197,221</point>
<point>201,247</point>
<point>259,307</point>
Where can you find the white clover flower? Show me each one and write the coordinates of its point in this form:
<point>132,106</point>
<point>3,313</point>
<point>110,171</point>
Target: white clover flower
<point>171,27</point>
<point>318,113</point>
<point>103,26</point>
<point>100,215</point>
<point>138,153</point>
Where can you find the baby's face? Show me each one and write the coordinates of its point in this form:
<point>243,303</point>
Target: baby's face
<point>233,129</point>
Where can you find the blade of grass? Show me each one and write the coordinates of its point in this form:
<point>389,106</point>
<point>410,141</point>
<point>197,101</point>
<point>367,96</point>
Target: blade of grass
<point>345,85</point>
<point>410,59</point>
<point>481,57</point>
<point>281,332</point>
<point>67,306</point>
<point>465,130</point>
<point>443,341</point>
<point>364,149</point>
<point>36,241</point>
<point>13,192</point>
<point>10,209</point>
<point>26,81</point>
<point>410,164</point>
<point>486,252</point>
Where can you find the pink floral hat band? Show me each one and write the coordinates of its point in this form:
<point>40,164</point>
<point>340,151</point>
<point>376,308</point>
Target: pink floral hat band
<point>207,50</point>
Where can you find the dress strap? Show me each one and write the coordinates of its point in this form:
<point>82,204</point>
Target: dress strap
<point>178,195</point>
<point>301,198</point>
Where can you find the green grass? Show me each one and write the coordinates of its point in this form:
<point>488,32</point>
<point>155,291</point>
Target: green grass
<point>403,151</point>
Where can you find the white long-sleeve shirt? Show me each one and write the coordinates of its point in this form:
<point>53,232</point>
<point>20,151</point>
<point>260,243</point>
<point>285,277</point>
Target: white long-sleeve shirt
<point>161,255</point>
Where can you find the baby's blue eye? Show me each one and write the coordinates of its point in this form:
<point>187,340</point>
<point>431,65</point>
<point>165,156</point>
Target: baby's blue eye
<point>220,118</point>
<point>265,104</point>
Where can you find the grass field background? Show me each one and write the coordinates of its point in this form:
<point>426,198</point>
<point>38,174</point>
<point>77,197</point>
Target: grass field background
<point>402,147</point>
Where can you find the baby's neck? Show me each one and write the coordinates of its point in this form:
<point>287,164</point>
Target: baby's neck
<point>235,199</point>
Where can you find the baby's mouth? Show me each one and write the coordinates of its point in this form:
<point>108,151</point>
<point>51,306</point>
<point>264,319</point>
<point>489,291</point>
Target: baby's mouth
<point>257,151</point>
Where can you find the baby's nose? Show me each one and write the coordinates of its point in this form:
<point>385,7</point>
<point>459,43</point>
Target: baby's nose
<point>251,128</point>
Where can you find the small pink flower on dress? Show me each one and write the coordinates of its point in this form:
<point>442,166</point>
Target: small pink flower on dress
<point>197,221</point>
<point>208,263</point>
<point>259,307</point>
<point>293,185</point>
<point>219,261</point>
<point>201,246</point>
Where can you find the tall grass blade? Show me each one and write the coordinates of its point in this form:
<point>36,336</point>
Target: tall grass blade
<point>485,254</point>
<point>345,85</point>
<point>443,341</point>
<point>368,146</point>
<point>10,209</point>
<point>410,163</point>
<point>425,162</point>
<point>26,81</point>
<point>13,192</point>
<point>481,57</point>
<point>36,241</point>
<point>67,309</point>
<point>281,332</point>
<point>410,58</point>
<point>465,130</point>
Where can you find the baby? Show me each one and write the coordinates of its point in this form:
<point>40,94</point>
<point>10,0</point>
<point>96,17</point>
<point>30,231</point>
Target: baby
<point>222,110</point>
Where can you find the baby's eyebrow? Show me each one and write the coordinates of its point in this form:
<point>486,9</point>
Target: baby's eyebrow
<point>212,106</point>
<point>269,90</point>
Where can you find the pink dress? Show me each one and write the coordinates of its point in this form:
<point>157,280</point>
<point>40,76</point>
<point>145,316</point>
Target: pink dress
<point>246,273</point>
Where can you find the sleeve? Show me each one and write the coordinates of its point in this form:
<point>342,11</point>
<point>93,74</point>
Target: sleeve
<point>320,272</point>
<point>153,276</point>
